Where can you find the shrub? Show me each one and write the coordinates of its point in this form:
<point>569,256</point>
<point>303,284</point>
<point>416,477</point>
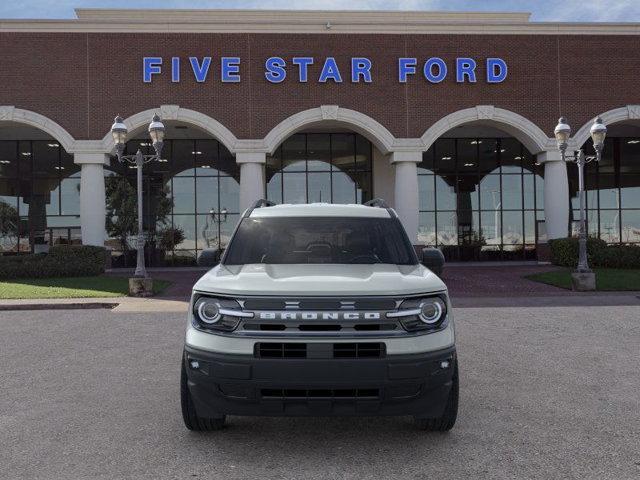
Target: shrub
<point>564,252</point>
<point>61,261</point>
<point>169,238</point>
<point>619,256</point>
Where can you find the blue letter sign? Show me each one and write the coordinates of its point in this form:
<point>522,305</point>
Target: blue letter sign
<point>428,70</point>
<point>150,66</point>
<point>275,69</point>
<point>200,71</point>
<point>230,69</point>
<point>303,67</point>
<point>330,71</point>
<point>496,70</point>
<point>434,69</point>
<point>406,66</point>
<point>360,67</point>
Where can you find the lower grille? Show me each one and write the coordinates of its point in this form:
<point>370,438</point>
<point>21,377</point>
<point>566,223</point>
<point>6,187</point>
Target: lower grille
<point>358,350</point>
<point>320,350</point>
<point>281,350</point>
<point>326,393</point>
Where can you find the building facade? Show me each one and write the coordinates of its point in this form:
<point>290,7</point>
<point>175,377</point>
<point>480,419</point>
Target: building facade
<point>448,116</point>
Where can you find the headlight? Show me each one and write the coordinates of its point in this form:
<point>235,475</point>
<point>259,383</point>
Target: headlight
<point>431,310</point>
<point>217,313</point>
<point>208,310</point>
<point>427,313</point>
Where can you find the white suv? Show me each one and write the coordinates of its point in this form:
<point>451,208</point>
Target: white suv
<point>319,309</point>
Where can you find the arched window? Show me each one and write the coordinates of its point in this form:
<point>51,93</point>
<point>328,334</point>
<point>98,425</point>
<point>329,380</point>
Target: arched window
<point>480,198</point>
<point>321,167</point>
<point>612,189</point>
<point>39,195</point>
<point>191,200</point>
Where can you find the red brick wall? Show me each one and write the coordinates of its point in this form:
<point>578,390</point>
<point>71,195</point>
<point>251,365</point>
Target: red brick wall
<point>82,80</point>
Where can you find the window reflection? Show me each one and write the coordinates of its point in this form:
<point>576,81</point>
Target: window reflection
<point>630,223</point>
<point>39,196</point>
<point>191,200</point>
<point>480,199</point>
<point>612,192</point>
<point>320,167</point>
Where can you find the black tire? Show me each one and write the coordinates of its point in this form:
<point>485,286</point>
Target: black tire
<point>448,418</point>
<point>191,419</point>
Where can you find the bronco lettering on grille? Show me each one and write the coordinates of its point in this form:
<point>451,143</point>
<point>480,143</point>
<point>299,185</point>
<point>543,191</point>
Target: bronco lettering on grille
<point>319,316</point>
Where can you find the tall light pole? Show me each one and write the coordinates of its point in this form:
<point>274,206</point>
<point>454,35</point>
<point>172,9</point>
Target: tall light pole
<point>583,277</point>
<point>217,219</point>
<point>156,132</point>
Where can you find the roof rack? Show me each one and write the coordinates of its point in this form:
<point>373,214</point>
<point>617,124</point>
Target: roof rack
<point>376,202</point>
<point>380,203</point>
<point>263,202</point>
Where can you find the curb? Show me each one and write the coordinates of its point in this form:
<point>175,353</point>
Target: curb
<point>59,306</point>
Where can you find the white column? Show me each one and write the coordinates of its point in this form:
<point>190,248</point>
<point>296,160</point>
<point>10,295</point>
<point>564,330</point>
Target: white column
<point>251,177</point>
<point>556,194</point>
<point>92,197</point>
<point>406,199</point>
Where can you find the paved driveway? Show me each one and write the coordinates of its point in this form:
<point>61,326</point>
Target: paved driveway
<point>545,393</point>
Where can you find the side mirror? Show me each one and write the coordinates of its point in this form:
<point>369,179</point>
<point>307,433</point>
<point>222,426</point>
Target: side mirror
<point>433,259</point>
<point>209,257</point>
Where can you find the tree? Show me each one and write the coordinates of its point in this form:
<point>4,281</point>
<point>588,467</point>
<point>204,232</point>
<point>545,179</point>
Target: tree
<point>9,223</point>
<point>122,209</point>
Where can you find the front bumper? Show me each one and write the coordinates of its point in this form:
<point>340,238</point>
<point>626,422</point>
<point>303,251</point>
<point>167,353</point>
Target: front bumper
<point>225,384</point>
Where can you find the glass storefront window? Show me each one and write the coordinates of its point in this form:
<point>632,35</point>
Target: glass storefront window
<point>320,167</point>
<point>480,198</point>
<point>39,195</point>
<point>427,191</point>
<point>194,190</point>
<point>630,223</point>
<point>612,192</point>
<point>445,194</point>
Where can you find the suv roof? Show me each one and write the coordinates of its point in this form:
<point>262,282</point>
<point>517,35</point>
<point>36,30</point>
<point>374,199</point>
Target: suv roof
<point>320,210</point>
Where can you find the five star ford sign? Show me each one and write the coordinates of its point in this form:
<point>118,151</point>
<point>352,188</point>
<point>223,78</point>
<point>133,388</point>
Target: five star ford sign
<point>361,69</point>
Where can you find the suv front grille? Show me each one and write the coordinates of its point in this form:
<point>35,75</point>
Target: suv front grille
<point>320,350</point>
<point>320,304</point>
<point>324,393</point>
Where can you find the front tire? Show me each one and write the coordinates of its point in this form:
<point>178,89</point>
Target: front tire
<point>191,419</point>
<point>448,418</point>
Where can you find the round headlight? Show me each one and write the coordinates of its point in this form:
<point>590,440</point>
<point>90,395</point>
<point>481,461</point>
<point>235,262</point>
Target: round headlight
<point>208,310</point>
<point>431,310</point>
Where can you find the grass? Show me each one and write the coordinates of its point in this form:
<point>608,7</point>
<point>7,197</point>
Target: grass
<point>74,287</point>
<point>607,279</point>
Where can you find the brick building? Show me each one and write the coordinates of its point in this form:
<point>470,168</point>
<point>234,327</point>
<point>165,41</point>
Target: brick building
<point>448,116</point>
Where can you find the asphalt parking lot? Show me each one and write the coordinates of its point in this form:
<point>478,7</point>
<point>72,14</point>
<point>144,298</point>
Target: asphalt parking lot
<point>548,392</point>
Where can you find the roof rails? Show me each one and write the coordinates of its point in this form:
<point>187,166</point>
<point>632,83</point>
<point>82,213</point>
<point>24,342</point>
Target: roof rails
<point>263,202</point>
<point>376,202</point>
<point>380,203</point>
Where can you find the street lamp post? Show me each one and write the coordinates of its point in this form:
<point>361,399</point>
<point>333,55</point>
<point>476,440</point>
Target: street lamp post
<point>141,284</point>
<point>216,220</point>
<point>583,278</point>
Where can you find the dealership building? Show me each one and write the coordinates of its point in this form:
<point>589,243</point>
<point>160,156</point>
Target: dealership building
<point>447,116</point>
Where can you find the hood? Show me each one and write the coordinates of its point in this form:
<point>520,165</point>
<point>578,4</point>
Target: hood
<point>320,280</point>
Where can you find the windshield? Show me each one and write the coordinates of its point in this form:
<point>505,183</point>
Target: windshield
<point>313,240</point>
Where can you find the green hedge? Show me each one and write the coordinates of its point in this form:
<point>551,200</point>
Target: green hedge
<point>619,256</point>
<point>61,261</point>
<point>564,252</point>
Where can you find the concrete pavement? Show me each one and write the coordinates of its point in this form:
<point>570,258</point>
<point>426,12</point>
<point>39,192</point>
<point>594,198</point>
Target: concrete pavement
<point>546,392</point>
